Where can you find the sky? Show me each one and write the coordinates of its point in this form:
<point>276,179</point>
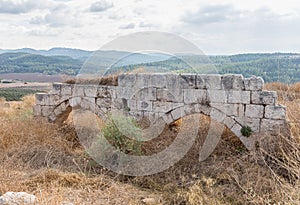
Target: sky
<point>215,26</point>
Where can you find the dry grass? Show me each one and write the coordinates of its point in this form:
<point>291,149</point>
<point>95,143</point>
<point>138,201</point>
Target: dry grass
<point>46,160</point>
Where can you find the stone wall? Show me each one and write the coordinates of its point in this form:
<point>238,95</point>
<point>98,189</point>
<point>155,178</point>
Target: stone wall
<point>232,100</point>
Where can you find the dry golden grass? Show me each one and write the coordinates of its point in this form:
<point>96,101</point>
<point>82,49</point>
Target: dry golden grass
<point>47,160</point>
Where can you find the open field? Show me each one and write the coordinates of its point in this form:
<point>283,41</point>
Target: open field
<point>48,161</point>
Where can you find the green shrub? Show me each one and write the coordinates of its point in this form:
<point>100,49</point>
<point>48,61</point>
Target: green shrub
<point>246,131</point>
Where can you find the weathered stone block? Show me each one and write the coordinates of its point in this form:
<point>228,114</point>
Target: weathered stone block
<point>236,129</point>
<point>78,91</point>
<point>172,82</point>
<point>254,111</point>
<point>142,80</point>
<point>104,102</point>
<point>217,96</point>
<point>187,81</point>
<point>195,96</point>
<point>37,110</point>
<point>275,112</point>
<point>264,97</point>
<point>66,89</point>
<point>211,81</point>
<point>233,82</point>
<point>46,110</point>
<point>106,92</point>
<point>158,80</point>
<point>254,83</point>
<point>230,109</point>
<point>74,102</point>
<point>168,118</point>
<point>217,115</point>
<point>242,97</point>
<point>144,105</point>
<point>56,88</point>
<point>178,113</point>
<point>125,92</point>
<point>164,107</point>
<point>127,80</point>
<point>169,95</point>
<point>145,94</point>
<point>91,91</point>
<point>204,109</point>
<point>40,98</point>
<point>253,123</point>
<point>132,104</point>
<point>229,122</point>
<point>88,103</point>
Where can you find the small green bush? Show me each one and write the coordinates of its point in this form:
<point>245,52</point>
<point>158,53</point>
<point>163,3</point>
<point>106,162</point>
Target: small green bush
<point>123,133</point>
<point>246,131</point>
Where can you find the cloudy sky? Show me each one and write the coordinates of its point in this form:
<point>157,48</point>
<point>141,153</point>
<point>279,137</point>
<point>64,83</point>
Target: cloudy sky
<point>215,26</point>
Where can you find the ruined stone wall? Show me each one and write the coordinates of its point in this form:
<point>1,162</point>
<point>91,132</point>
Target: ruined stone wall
<point>232,100</point>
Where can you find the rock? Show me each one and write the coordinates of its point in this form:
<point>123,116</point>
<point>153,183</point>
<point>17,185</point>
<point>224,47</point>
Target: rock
<point>17,198</point>
<point>150,201</point>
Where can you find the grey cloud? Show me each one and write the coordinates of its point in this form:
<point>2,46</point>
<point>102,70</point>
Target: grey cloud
<point>128,26</point>
<point>212,14</point>
<point>100,6</point>
<point>145,25</point>
<point>17,7</point>
<point>59,17</point>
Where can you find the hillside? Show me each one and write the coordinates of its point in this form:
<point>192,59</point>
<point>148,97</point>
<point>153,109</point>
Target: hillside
<point>282,67</point>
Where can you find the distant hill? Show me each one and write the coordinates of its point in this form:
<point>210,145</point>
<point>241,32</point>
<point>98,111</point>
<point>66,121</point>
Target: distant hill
<point>73,53</point>
<point>284,67</point>
<point>31,63</point>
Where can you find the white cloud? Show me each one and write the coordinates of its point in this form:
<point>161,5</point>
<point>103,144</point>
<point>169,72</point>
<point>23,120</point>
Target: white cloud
<point>101,6</point>
<point>21,6</point>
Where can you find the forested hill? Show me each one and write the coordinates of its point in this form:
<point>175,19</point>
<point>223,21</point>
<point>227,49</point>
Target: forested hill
<point>31,63</point>
<point>284,67</point>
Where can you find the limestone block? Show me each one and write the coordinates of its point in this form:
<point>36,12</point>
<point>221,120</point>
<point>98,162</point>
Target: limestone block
<point>236,129</point>
<point>132,104</point>
<point>204,109</point>
<point>209,81</point>
<point>88,103</point>
<point>78,91</point>
<point>90,91</point>
<point>187,81</point>
<point>229,122</point>
<point>275,112</point>
<point>172,82</point>
<point>104,102</point>
<point>178,113</point>
<point>58,110</point>
<point>264,97</point>
<point>46,110</point>
<point>230,109</point>
<point>254,111</point>
<point>217,96</point>
<point>40,98</point>
<point>254,83</point>
<point>158,80</point>
<point>169,95</point>
<point>195,96</point>
<point>165,107</point>
<point>144,105</point>
<point>233,82</point>
<point>253,123</point>
<point>168,118</point>
<point>46,99</point>
<point>124,92</point>
<point>66,89</point>
<point>119,103</point>
<point>145,94</point>
<point>75,101</point>
<point>37,110</point>
<point>217,115</point>
<point>142,80</point>
<point>106,92</point>
<point>234,96</point>
<point>127,80</point>
<point>56,88</point>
